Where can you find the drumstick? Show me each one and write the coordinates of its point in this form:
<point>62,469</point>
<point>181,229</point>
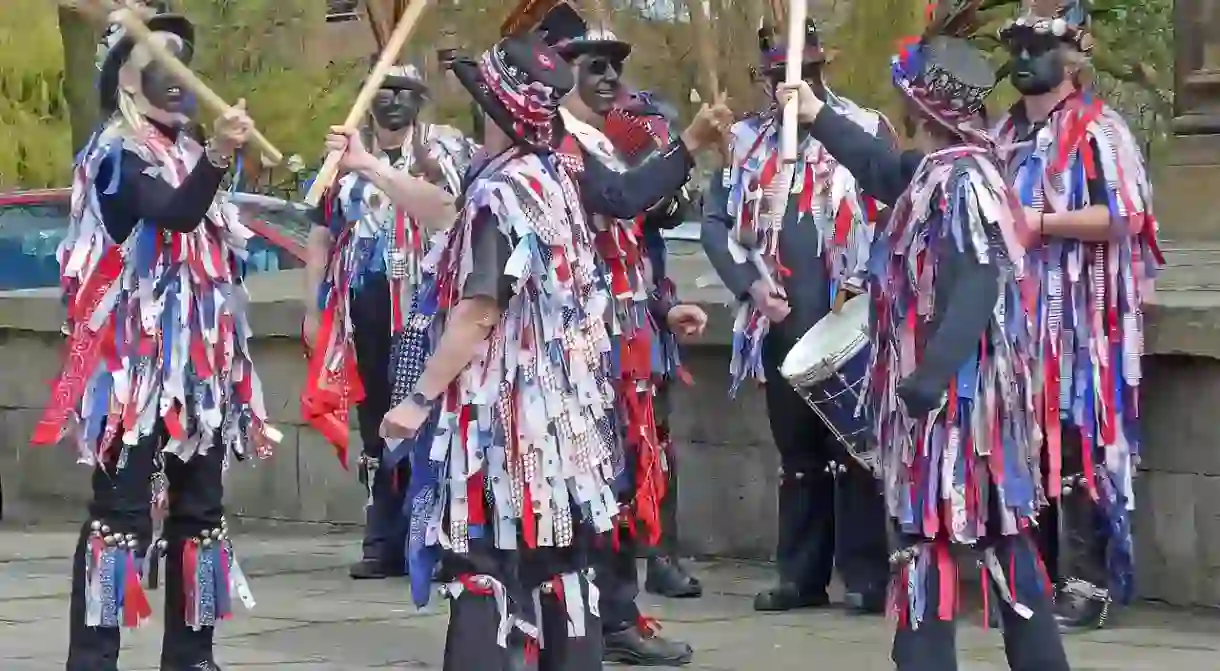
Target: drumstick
<point>792,75</point>
<point>364,100</point>
<point>135,26</point>
<point>764,272</point>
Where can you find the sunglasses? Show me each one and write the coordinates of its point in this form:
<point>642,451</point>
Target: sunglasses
<point>600,65</point>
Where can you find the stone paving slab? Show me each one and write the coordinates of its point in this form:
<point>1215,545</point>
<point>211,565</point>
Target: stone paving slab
<point>311,617</point>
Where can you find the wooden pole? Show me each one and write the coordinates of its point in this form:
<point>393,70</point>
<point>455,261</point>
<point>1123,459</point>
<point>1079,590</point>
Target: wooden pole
<point>130,19</point>
<point>703,43</point>
<point>389,55</point>
<point>792,75</point>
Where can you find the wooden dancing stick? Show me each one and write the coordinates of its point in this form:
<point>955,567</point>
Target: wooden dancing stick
<point>129,17</point>
<point>792,75</point>
<point>703,39</point>
<point>406,24</point>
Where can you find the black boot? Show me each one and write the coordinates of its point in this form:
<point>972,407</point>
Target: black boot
<point>1081,606</point>
<point>667,577</point>
<point>642,646</point>
<point>1083,598</point>
<point>805,548</point>
<point>861,539</point>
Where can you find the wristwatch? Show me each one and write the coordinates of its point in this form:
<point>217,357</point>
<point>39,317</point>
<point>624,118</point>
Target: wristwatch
<point>418,399</point>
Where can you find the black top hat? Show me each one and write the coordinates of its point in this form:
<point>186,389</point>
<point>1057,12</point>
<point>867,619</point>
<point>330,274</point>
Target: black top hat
<point>568,33</point>
<point>773,47</point>
<point>1066,20</point>
<point>120,49</point>
<point>519,83</point>
<point>946,78</point>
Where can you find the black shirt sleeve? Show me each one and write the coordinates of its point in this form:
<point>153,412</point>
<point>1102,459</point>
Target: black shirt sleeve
<point>970,300</point>
<point>882,171</point>
<point>137,195</point>
<point>714,235</point>
<point>624,195</point>
<point>489,251</point>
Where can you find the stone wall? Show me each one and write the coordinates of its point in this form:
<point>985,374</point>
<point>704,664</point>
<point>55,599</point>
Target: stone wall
<point>728,466</point>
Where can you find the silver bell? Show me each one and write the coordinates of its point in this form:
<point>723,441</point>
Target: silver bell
<point>105,529</point>
<point>207,542</point>
<point>215,533</point>
<point>205,534</point>
<point>1067,490</point>
<point>132,544</point>
<point>96,525</point>
<point>163,545</point>
<point>130,537</point>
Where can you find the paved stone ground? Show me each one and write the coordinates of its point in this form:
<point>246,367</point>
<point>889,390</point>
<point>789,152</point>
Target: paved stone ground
<point>310,616</point>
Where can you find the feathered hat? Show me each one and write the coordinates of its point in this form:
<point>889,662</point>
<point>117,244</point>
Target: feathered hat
<point>773,48</point>
<point>1065,20</point>
<point>943,75</point>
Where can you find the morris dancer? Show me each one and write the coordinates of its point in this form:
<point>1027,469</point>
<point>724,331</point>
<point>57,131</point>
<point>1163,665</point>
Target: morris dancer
<point>791,219</point>
<point>160,392</point>
<point>363,268</point>
<point>524,351</point>
<point>642,301</point>
<point>952,369</point>
<point>1081,176</point>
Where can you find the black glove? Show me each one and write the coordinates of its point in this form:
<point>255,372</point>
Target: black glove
<point>918,395</point>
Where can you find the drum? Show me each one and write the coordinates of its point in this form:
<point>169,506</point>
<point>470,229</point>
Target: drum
<point>827,367</point>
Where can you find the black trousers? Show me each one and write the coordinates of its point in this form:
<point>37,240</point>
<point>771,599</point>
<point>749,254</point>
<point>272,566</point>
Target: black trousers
<point>385,529</point>
<point>122,501</point>
<point>1070,529</point>
<point>826,518</point>
<point>618,579</point>
<point>670,533</point>
<point>471,640</point>
<point>1032,644</point>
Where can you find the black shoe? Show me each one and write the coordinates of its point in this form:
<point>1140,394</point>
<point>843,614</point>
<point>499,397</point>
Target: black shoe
<point>787,596</point>
<point>372,569</point>
<point>1081,606</point>
<point>864,603</point>
<point>636,648</point>
<point>668,578</point>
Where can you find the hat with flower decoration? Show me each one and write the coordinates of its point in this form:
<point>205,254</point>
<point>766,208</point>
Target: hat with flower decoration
<point>1065,20</point>
<point>945,77</point>
<point>567,31</point>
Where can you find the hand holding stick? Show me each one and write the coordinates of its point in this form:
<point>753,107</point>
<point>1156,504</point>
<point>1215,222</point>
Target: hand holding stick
<point>326,176</point>
<point>792,74</point>
<point>129,18</point>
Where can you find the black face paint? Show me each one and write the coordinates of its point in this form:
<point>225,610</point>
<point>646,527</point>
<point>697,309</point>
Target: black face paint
<point>597,82</point>
<point>162,89</point>
<point>1037,65</point>
<point>395,109</point>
